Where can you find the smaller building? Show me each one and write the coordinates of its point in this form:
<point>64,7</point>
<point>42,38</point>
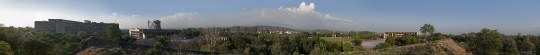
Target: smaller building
<point>399,34</point>
<point>143,33</point>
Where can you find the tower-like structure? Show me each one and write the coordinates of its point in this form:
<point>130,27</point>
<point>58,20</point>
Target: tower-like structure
<point>156,24</point>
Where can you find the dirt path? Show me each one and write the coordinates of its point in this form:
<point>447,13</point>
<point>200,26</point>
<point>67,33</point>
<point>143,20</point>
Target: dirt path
<point>371,43</point>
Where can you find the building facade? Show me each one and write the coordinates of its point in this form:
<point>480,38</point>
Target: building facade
<point>399,34</point>
<point>71,27</point>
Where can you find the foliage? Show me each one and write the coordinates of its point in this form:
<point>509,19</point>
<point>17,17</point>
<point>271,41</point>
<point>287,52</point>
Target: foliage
<point>5,49</point>
<point>388,42</point>
<point>162,41</point>
<point>427,29</point>
<point>29,48</point>
<point>357,41</point>
<point>113,32</point>
<point>509,46</point>
<point>487,42</point>
<point>191,32</point>
<point>437,36</point>
<point>406,40</point>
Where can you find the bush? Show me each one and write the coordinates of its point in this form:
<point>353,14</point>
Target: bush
<point>406,40</point>
<point>357,41</point>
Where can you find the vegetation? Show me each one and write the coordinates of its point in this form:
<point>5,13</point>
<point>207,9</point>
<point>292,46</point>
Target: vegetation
<point>427,29</point>
<point>5,49</point>
<point>256,41</point>
<point>113,32</point>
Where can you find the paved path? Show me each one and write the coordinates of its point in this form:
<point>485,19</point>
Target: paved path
<point>371,43</point>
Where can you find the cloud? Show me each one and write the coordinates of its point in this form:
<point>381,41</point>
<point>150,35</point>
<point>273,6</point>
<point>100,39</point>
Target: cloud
<point>301,17</point>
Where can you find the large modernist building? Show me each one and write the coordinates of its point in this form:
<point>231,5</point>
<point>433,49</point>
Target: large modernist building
<point>72,27</point>
<point>399,34</point>
<point>154,30</point>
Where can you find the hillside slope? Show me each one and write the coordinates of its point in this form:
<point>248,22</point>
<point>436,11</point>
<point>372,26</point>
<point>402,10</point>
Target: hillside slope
<point>440,47</point>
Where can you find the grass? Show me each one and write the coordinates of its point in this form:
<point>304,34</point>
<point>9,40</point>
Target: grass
<point>338,39</point>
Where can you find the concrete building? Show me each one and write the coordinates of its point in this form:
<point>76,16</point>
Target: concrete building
<point>399,34</point>
<point>71,27</point>
<point>155,30</point>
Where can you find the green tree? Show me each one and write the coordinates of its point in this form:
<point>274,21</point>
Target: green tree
<point>388,42</point>
<point>162,41</point>
<point>191,32</point>
<point>357,41</point>
<point>83,34</point>
<point>30,48</point>
<point>113,32</point>
<point>525,45</point>
<point>487,42</point>
<point>346,47</point>
<point>509,46</point>
<point>406,40</point>
<point>5,48</point>
<point>3,37</point>
<point>427,29</point>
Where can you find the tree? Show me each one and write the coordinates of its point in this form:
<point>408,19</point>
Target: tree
<point>162,41</point>
<point>406,40</point>
<point>190,32</point>
<point>525,45</point>
<point>83,35</point>
<point>509,46</point>
<point>5,49</point>
<point>211,37</point>
<point>427,29</point>
<point>113,32</point>
<point>30,48</point>
<point>346,47</point>
<point>389,42</point>
<point>357,41</point>
<point>487,42</point>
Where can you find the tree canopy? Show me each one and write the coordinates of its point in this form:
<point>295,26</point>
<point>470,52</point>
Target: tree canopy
<point>427,29</point>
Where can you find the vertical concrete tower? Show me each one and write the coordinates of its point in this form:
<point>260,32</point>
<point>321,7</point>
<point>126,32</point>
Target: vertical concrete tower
<point>156,24</point>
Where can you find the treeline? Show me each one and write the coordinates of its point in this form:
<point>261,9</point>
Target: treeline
<point>269,44</point>
<point>485,42</point>
<point>27,41</point>
<point>491,42</point>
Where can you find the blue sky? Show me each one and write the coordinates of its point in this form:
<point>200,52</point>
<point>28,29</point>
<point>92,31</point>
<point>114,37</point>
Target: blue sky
<point>449,16</point>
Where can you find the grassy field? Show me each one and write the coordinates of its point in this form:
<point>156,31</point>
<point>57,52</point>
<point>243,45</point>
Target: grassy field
<point>338,39</point>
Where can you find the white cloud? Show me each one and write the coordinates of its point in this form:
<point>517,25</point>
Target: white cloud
<point>302,17</point>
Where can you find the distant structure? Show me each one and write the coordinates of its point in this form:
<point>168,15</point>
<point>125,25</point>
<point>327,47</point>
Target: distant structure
<point>154,30</point>
<point>399,34</point>
<point>71,27</point>
<point>156,24</point>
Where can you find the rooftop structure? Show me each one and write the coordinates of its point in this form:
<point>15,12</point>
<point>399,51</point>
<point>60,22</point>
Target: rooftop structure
<point>71,27</point>
<point>154,30</point>
<point>156,24</point>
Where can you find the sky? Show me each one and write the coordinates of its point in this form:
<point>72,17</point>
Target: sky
<point>448,16</point>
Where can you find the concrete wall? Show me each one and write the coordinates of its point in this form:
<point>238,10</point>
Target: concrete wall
<point>71,27</point>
